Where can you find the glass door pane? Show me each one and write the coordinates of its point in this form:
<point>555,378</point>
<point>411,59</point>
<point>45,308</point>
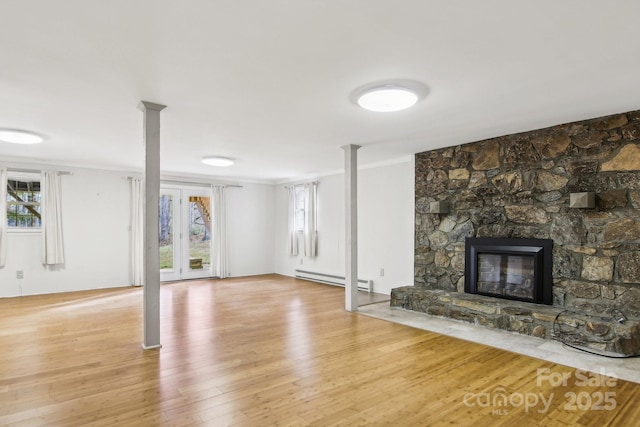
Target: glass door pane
<point>169,234</point>
<point>197,252</point>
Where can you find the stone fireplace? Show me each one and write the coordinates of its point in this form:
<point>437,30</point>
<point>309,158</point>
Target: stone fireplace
<point>514,269</point>
<point>518,187</point>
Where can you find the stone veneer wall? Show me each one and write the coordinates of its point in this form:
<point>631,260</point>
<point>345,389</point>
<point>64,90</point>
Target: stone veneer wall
<point>519,186</point>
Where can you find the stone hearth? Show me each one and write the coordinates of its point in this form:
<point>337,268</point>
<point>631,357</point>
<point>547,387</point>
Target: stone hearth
<point>519,186</point>
<point>598,333</point>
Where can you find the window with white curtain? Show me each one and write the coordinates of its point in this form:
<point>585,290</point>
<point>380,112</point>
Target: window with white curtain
<point>300,208</point>
<point>23,202</point>
<point>311,220</point>
<point>303,218</point>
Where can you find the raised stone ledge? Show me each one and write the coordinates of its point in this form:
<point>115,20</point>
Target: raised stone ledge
<point>596,331</point>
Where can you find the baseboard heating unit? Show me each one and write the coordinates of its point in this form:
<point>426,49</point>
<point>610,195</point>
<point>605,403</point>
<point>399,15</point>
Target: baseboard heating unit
<point>330,279</point>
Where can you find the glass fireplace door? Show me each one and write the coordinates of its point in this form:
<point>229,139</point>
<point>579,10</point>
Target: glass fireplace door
<point>506,275</point>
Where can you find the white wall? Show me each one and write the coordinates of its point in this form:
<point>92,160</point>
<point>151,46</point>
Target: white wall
<point>385,227</point>
<point>250,233</point>
<point>96,229</point>
<point>96,239</point>
<point>96,232</point>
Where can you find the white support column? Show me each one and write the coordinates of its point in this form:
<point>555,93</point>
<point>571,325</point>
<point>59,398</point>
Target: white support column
<point>151,256</point>
<point>351,226</point>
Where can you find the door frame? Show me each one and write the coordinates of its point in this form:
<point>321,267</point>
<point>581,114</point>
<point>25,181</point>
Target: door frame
<point>181,258</point>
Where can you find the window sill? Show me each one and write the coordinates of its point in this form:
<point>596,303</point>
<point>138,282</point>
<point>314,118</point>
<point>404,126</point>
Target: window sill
<point>24,230</point>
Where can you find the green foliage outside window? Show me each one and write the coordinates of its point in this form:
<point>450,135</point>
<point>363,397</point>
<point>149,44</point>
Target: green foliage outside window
<point>23,204</point>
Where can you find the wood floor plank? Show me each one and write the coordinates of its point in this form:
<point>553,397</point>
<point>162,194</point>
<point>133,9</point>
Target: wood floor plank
<point>267,350</point>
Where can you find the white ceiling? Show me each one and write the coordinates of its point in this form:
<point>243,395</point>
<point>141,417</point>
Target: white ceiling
<point>269,83</point>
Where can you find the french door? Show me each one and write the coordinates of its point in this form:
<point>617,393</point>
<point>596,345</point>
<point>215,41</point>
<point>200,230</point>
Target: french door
<point>185,233</point>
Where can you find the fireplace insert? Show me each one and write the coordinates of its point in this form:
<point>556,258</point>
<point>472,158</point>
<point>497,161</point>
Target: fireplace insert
<point>510,268</point>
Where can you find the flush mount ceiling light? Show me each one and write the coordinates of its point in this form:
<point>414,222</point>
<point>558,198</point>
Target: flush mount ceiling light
<point>390,95</point>
<point>17,136</point>
<point>387,98</point>
<point>217,161</point>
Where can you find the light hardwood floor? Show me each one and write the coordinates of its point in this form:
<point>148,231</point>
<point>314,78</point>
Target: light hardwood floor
<point>271,350</point>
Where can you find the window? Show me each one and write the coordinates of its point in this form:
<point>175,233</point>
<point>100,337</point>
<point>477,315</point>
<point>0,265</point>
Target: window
<point>23,201</point>
<point>300,208</point>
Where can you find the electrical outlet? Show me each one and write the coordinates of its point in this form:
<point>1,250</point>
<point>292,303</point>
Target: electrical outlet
<point>20,274</point>
<point>382,272</point>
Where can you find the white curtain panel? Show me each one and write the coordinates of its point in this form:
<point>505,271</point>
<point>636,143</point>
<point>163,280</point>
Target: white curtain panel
<point>51,207</point>
<point>220,257</point>
<point>293,233</point>
<point>3,217</point>
<point>310,223</point>
<point>137,240</point>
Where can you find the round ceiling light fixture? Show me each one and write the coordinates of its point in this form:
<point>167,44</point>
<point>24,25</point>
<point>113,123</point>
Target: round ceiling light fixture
<point>217,161</point>
<point>18,136</point>
<point>389,96</point>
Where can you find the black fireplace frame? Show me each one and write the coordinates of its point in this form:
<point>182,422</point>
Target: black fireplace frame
<point>540,249</point>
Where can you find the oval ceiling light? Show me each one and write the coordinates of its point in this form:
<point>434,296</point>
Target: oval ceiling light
<point>17,136</point>
<point>387,98</point>
<point>217,161</point>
